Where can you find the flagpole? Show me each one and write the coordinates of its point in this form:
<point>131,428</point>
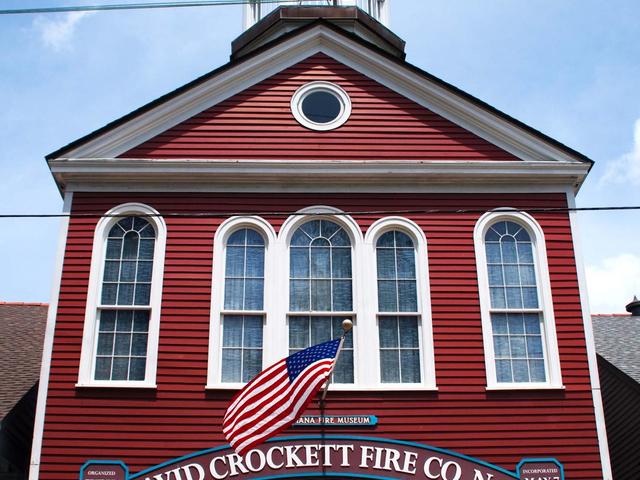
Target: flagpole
<point>347,325</point>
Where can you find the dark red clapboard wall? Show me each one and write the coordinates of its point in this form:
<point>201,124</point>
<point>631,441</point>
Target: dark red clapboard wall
<point>144,428</point>
<point>258,124</point>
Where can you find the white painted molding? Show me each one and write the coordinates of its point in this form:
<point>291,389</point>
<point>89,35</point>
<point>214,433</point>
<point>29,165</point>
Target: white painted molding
<point>320,86</point>
<point>244,74</point>
<point>89,335</point>
<point>550,341</point>
<point>221,236</point>
<point>596,393</point>
<point>47,350</point>
<point>185,174</point>
<point>427,357</point>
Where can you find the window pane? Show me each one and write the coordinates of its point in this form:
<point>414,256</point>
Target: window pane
<point>233,293</point>
<point>499,323</point>
<point>105,344</point>
<point>386,240</point>
<point>144,271</point>
<point>253,294</point>
<point>516,323</point>
<point>343,372</point>
<point>403,240</point>
<point>497,297</point>
<point>109,292</point>
<point>406,263</point>
<point>532,323</point>
<point>407,296</point>
<point>137,368</point>
<point>530,297</point>
<point>514,297</point>
<point>386,263</point>
<point>143,293</point>
<point>341,262</point>
<point>124,320</point>
<point>111,271</point>
<point>320,262</point>
<point>238,237</point>
<point>390,366</point>
<point>252,364</point>
<point>130,246</point>
<point>255,262</point>
<point>409,332</point>
<point>103,368</point>
<point>320,330</point>
<point>241,347</point>
<point>410,366</point>
<point>252,332</point>
<point>501,346</point>
<point>518,348</point>
<point>120,369</point>
<point>511,275</point>
<point>536,367</point>
<point>388,332</point>
<point>509,250</point>
<point>299,332</point>
<point>493,253</point>
<point>232,331</point>
<point>122,345</point>
<point>321,295</point>
<point>534,347</point>
<point>235,262</point>
<point>342,300</point>
<point>520,371</point>
<point>254,238</point>
<point>299,296</point>
<point>525,252</point>
<point>495,275</point>
<point>114,248</point>
<point>231,366</point>
<point>503,371</point>
<point>527,275</point>
<point>139,344</point>
<point>146,249</point>
<point>299,263</point>
<point>387,296</point>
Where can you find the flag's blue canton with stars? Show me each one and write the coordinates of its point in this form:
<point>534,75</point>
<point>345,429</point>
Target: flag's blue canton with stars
<point>297,362</point>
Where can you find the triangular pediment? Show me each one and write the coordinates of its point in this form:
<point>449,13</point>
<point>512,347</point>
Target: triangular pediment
<point>258,124</point>
<point>241,112</point>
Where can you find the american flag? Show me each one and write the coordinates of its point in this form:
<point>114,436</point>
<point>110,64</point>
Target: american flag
<point>276,398</point>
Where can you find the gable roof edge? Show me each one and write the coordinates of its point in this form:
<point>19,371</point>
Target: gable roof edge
<point>505,130</point>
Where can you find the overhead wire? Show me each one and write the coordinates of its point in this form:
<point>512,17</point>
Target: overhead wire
<point>433,211</point>
<point>135,6</point>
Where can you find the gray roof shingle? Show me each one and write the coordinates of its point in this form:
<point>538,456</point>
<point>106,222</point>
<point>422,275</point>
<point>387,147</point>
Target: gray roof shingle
<point>22,327</point>
<point>618,341</point>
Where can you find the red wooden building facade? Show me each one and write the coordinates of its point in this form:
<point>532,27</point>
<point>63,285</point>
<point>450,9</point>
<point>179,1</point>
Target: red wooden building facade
<point>213,208</point>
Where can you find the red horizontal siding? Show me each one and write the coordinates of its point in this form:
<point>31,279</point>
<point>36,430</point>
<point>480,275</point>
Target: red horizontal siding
<point>258,124</point>
<point>148,427</point>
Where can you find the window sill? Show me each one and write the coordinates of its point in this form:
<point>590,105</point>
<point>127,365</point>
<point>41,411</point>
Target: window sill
<point>525,386</point>
<point>117,384</point>
<point>390,387</point>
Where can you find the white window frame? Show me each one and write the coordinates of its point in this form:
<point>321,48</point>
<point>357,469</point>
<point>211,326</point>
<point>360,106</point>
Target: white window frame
<point>90,331</point>
<point>425,326</point>
<point>289,227</point>
<point>319,86</point>
<point>224,231</point>
<point>545,301</point>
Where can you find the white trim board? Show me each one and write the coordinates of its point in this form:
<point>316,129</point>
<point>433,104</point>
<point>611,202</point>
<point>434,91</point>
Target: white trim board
<point>47,351</point>
<point>186,173</point>
<point>429,94</point>
<point>603,443</point>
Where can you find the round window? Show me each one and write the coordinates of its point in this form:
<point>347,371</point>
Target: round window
<point>321,106</point>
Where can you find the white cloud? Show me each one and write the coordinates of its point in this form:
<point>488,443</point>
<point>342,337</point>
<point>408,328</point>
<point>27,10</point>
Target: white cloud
<point>57,34</point>
<point>627,167</point>
<point>613,283</point>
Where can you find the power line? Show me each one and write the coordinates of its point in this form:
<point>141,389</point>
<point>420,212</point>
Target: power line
<point>336,214</point>
<point>133,6</point>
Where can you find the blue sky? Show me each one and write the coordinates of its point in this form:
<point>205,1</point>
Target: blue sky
<point>569,68</point>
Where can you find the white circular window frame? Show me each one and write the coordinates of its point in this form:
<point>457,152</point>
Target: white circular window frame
<point>312,87</point>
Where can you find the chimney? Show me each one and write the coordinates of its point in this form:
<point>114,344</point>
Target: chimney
<point>634,307</point>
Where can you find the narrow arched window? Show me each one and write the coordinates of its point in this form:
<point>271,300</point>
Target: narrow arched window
<point>320,290</point>
<point>398,326</point>
<point>124,307</point>
<point>516,318</point>
<point>243,314</point>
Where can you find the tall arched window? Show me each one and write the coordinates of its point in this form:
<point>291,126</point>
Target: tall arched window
<point>518,325</point>
<point>397,308</point>
<point>320,290</point>
<point>243,315</point>
<point>123,308</point>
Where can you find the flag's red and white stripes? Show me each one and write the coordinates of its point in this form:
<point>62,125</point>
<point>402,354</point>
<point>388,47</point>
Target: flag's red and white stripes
<point>270,403</point>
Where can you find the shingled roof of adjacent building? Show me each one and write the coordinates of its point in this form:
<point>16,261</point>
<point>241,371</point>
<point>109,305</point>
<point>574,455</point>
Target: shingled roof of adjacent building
<point>22,327</point>
<point>618,341</point>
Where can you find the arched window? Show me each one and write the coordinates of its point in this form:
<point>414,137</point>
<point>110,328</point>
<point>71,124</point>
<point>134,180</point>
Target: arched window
<point>402,308</point>
<point>240,301</point>
<point>397,308</point>
<point>123,308</point>
<point>320,290</point>
<point>518,325</point>
<point>244,304</point>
